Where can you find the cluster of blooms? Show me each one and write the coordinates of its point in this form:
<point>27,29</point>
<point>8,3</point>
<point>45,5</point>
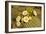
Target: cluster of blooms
<point>25,18</point>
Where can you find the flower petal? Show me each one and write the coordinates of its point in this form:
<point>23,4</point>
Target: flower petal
<point>18,18</point>
<point>18,23</point>
<point>26,19</point>
<point>34,12</point>
<point>24,13</point>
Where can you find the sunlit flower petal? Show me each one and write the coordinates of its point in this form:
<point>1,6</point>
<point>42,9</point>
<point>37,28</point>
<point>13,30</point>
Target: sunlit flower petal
<point>24,13</point>
<point>30,18</point>
<point>18,18</point>
<point>25,19</point>
<point>18,24</point>
<point>34,12</point>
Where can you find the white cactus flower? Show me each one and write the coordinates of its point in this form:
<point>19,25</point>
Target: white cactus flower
<point>24,13</point>
<point>18,24</point>
<point>18,18</point>
<point>34,12</point>
<point>30,17</point>
<point>26,19</point>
